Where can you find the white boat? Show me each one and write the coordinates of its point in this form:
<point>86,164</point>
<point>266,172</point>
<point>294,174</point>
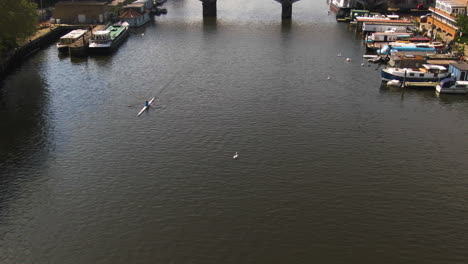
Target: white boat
<point>394,83</point>
<point>450,86</point>
<point>146,106</point>
<point>69,39</point>
<point>427,73</point>
<point>108,39</point>
<point>387,36</point>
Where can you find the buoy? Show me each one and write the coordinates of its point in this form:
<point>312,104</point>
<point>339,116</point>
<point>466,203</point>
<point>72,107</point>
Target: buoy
<point>348,59</point>
<point>328,78</point>
<point>142,34</point>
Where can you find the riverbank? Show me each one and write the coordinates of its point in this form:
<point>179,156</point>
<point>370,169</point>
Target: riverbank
<point>41,39</point>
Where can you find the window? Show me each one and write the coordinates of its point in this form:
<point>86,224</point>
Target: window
<point>411,74</point>
<point>421,75</point>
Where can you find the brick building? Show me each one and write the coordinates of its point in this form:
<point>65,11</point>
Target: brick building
<point>444,16</point>
<point>82,12</point>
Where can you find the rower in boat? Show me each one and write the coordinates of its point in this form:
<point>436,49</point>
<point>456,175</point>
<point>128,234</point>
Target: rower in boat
<point>146,107</point>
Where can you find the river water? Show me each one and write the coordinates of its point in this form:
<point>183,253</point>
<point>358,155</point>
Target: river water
<point>330,171</point>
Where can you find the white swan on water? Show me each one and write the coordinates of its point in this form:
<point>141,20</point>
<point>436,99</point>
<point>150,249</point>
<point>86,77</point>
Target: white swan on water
<point>235,156</point>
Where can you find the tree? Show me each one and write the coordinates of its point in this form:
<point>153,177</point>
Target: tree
<point>462,24</point>
<point>18,20</point>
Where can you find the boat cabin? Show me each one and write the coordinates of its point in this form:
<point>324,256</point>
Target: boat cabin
<point>387,25</point>
<point>72,37</point>
<point>459,71</point>
<point>388,36</point>
<point>426,71</point>
<point>406,61</point>
<point>358,13</point>
<point>436,69</point>
<point>101,36</point>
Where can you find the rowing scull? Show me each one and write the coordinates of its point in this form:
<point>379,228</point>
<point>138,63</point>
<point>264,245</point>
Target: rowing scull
<point>146,106</point>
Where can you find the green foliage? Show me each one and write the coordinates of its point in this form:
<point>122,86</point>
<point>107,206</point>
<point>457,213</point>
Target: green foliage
<point>462,24</point>
<point>18,20</point>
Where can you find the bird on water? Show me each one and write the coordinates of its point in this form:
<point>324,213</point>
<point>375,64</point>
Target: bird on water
<point>235,156</point>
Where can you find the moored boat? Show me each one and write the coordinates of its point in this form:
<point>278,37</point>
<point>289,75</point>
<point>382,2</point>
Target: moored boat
<point>342,8</point>
<point>427,73</point>
<point>397,46</point>
<point>450,86</point>
<point>68,39</point>
<point>108,39</point>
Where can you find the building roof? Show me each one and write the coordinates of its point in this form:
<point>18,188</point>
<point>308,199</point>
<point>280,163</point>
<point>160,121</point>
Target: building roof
<point>440,62</point>
<point>116,2</point>
<point>389,23</point>
<point>454,3</point>
<point>134,5</point>
<point>81,3</point>
<point>380,20</point>
<point>74,34</point>
<point>130,13</point>
<point>460,66</point>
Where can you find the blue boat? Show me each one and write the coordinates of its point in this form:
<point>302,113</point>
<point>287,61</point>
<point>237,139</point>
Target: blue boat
<point>388,49</point>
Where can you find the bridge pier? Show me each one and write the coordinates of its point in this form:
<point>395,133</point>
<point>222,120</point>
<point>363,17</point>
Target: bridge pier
<point>209,8</point>
<point>286,12</point>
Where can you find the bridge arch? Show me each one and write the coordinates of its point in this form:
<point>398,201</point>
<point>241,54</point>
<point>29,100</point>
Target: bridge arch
<point>210,8</point>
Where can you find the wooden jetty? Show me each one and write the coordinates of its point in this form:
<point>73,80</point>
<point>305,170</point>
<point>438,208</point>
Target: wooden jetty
<point>80,46</point>
<point>420,85</point>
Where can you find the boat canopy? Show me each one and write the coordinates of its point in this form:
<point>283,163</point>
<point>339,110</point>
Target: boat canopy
<point>74,34</point>
<point>434,67</point>
<point>101,32</point>
<point>447,82</point>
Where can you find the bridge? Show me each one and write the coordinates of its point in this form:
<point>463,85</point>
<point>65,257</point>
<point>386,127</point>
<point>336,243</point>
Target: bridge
<point>209,8</point>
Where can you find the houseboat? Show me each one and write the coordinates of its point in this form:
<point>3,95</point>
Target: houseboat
<point>398,46</point>
<point>134,18</point>
<point>342,8</point>
<point>388,36</point>
<point>427,73</point>
<point>450,86</point>
<point>137,13</point>
<point>459,71</point>
<point>384,24</point>
<point>377,40</point>
<point>108,39</point>
<point>68,39</point>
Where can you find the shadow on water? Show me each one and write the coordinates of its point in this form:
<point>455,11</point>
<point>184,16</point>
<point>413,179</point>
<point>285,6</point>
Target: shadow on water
<point>452,98</point>
<point>79,60</point>
<point>428,94</point>
<point>25,132</point>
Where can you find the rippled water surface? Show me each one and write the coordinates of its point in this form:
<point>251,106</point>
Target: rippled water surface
<point>330,171</point>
